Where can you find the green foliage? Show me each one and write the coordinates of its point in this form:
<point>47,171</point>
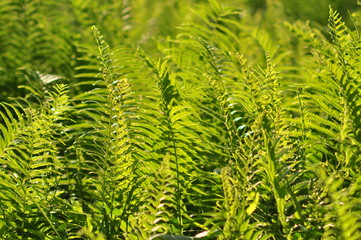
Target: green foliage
<point>179,120</point>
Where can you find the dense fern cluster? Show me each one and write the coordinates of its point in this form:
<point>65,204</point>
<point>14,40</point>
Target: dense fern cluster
<point>180,120</point>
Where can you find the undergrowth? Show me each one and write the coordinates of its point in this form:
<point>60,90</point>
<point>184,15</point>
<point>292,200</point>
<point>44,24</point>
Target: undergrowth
<point>133,120</point>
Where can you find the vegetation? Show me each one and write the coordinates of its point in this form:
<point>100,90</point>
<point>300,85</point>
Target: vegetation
<point>180,119</point>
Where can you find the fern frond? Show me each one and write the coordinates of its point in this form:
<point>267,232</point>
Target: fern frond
<point>342,219</point>
<point>30,167</point>
<point>158,212</point>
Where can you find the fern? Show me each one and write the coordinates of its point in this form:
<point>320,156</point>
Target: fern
<point>157,214</point>
<point>342,220</point>
<point>337,96</point>
<point>111,160</point>
<point>182,120</point>
<point>177,132</point>
<point>30,167</point>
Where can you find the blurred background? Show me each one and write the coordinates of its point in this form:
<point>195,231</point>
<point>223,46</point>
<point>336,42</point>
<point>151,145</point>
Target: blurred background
<point>47,35</point>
